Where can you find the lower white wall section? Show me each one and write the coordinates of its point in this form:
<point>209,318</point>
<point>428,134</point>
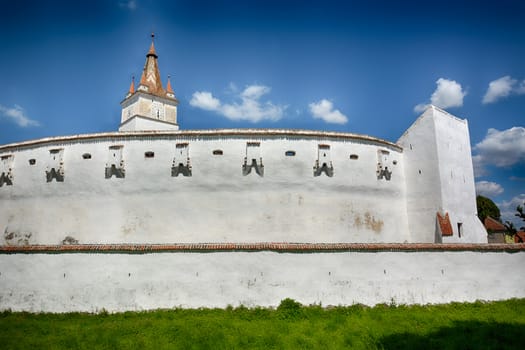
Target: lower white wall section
<point>119,282</point>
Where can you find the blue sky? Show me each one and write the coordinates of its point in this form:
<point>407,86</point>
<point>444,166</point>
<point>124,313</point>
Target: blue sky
<point>355,66</point>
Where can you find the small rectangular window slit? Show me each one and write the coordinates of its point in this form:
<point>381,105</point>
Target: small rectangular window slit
<point>460,229</point>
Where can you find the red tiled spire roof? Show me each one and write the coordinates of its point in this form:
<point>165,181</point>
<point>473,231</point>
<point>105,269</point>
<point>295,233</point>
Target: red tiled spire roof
<point>150,81</point>
<point>151,75</point>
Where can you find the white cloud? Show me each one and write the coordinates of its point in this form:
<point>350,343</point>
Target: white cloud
<point>324,110</point>
<point>250,107</point>
<point>488,188</point>
<point>500,148</point>
<point>17,115</point>
<point>448,93</point>
<point>130,4</point>
<point>499,89</point>
<point>255,91</point>
<point>508,210</point>
<point>205,100</point>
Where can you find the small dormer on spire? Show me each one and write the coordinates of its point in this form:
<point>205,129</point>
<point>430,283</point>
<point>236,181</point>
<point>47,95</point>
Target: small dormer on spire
<point>131,87</point>
<point>169,90</point>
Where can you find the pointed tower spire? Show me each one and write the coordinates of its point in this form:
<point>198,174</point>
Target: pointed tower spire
<point>150,79</point>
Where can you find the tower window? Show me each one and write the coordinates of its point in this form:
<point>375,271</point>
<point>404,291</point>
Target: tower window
<point>217,152</point>
<point>86,156</point>
<point>32,161</point>
<point>289,153</point>
<point>354,156</point>
<point>149,154</point>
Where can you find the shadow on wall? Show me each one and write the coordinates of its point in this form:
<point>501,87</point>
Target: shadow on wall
<point>461,335</point>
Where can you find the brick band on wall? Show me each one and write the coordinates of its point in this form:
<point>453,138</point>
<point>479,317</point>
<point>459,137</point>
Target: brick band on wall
<point>263,246</point>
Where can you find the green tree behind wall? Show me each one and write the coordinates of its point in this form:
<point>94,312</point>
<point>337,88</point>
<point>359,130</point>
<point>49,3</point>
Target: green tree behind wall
<point>486,207</point>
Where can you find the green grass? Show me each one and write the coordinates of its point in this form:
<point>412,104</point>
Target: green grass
<point>480,325</point>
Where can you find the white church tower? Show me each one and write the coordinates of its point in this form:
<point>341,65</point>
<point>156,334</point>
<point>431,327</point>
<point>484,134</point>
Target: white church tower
<point>150,106</point>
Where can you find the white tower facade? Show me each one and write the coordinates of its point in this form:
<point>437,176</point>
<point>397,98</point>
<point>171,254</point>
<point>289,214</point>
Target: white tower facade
<point>441,198</point>
<point>150,106</point>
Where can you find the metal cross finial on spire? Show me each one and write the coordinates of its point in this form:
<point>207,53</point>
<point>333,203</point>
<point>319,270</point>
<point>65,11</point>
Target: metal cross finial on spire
<point>152,46</point>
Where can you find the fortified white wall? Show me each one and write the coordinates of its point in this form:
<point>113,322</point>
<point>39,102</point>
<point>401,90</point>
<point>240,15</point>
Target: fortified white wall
<point>121,282</point>
<point>279,200</point>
